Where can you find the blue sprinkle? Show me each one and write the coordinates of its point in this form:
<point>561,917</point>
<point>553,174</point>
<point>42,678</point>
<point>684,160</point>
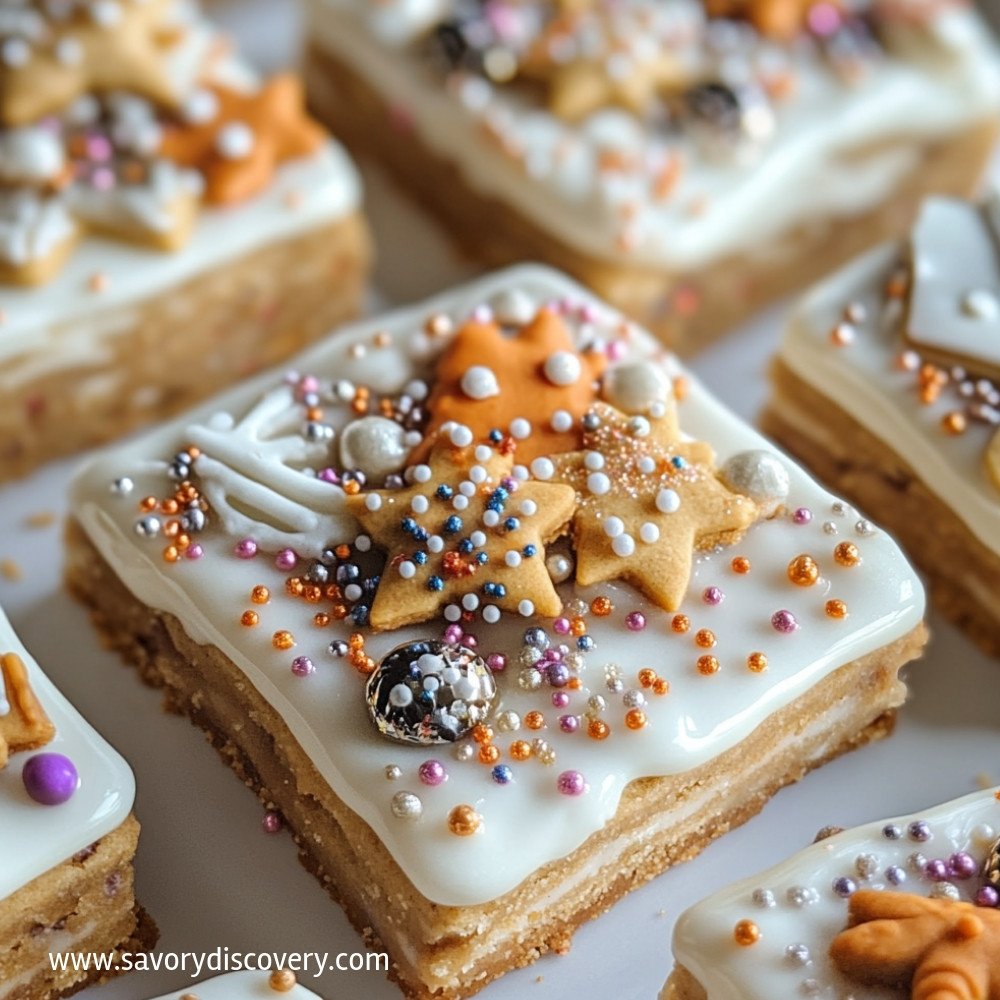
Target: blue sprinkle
<point>512,524</point>
<point>678,463</point>
<point>408,525</point>
<point>502,774</point>
<point>496,435</point>
<point>359,614</point>
<point>586,643</point>
<point>453,524</point>
<point>482,558</point>
<point>435,583</point>
<point>529,550</point>
<point>419,558</point>
<point>492,589</point>
<point>427,697</point>
<point>465,545</point>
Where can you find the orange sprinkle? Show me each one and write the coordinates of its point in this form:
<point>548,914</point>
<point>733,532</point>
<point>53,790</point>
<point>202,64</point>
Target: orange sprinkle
<point>708,665</point>
<point>635,718</point>
<point>835,608</point>
<point>601,606</point>
<point>321,619</point>
<point>746,933</point>
<point>803,571</point>
<point>260,594</point>
<point>705,638</point>
<point>661,686</point>
<point>520,750</point>
<point>757,662</point>
<point>250,619</point>
<point>954,423</point>
<point>740,564</point>
<point>647,677</point>
<point>598,729</point>
<point>847,554</point>
<point>680,623</point>
<point>489,753</point>
<point>482,733</point>
<point>534,720</point>
<point>283,639</point>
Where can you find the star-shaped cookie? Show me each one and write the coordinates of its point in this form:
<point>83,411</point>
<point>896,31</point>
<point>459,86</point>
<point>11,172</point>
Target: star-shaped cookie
<point>25,726</point>
<point>101,46</point>
<point>936,948</point>
<point>646,500</point>
<point>240,138</point>
<point>464,527</point>
<point>486,379</point>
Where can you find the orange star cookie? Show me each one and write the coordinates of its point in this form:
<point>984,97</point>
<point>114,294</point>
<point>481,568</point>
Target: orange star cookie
<point>486,380</point>
<point>646,501</point>
<point>115,45</point>
<point>939,949</point>
<point>25,726</point>
<point>244,137</point>
<point>463,532</point>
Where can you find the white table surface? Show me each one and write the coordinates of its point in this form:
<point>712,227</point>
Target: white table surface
<point>211,878</point>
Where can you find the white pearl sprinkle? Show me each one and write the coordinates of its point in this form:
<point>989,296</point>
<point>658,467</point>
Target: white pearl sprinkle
<point>623,545</point>
<point>373,502</point>
<point>562,421</point>
<point>528,508</point>
<point>491,614</point>
<point>520,473</point>
<point>520,428</point>
<point>562,368</point>
<point>461,436</point>
<point>467,488</point>
<point>649,533</point>
<point>647,464</point>
<point>234,141</point>
<point>491,518</point>
<point>526,608</point>
<point>667,501</point>
<point>452,613</point>
<point>406,805</point>
<point>420,504</point>
<point>479,382</point>
<point>512,558</point>
<point>460,501</point>
<point>470,602</point>
<point>639,427</point>
<point>363,543</point>
<point>478,539</point>
<point>483,453</point>
<point>407,569</point>
<point>478,474</point>
<point>598,483</point>
<point>422,474</point>
<point>352,592</point>
<point>542,468</point>
<point>435,544</point>
<point>594,460</point>
<point>613,526</point>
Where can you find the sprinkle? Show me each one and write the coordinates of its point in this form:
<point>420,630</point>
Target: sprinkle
<point>746,933</point>
<point>784,621</point>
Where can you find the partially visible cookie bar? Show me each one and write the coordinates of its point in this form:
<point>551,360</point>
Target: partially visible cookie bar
<point>67,839</point>
<point>494,604</point>
<point>887,385</point>
<point>901,908</point>
<point>168,222</point>
<point>690,161</point>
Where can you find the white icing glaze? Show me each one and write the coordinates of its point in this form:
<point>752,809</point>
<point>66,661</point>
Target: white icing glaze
<point>703,937</point>
<point>35,838</point>
<point>239,986</point>
<point>805,171</point>
<point>29,156</point>
<point>863,379</point>
<point>700,718</point>
<point>956,264</point>
<point>31,227</point>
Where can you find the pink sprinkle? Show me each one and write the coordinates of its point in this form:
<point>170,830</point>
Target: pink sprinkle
<point>246,548</point>
<point>713,595</point>
<point>286,560</point>
<point>271,822</point>
<point>194,552</point>
<point>453,633</point>
<point>496,662</point>
<point>562,626</point>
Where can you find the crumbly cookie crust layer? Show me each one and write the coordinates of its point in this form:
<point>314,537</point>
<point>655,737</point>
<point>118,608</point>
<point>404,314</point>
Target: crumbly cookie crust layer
<point>856,463</point>
<point>451,952</point>
<point>685,310</point>
<point>150,360</point>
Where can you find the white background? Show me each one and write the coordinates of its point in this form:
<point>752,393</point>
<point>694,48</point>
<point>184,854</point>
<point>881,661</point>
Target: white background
<point>211,878</point>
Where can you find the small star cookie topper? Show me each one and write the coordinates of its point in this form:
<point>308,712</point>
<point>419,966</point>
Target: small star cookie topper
<point>486,380</point>
<point>238,139</point>
<point>464,532</point>
<point>23,722</point>
<point>105,45</point>
<point>936,948</point>
<point>646,500</point>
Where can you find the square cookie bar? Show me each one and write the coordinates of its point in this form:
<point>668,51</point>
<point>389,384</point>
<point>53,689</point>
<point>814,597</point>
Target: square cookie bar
<point>67,838</point>
<point>245,985</point>
<point>168,222</point>
<point>902,908</point>
<point>493,604</point>
<point>887,385</point>
<point>690,161</point>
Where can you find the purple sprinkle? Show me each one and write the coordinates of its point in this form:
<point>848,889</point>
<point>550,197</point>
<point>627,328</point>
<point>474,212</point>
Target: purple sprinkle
<point>302,666</point>
<point>919,830</point>
<point>453,634</point>
<point>784,621</point>
<point>432,773</point>
<point>497,662</point>
<point>571,783</point>
<point>194,552</point>
<point>891,832</point>
<point>895,874</point>
<point>987,896</point>
<point>560,699</point>
<point>562,626</point>
<point>713,595</point>
<point>962,865</point>
<point>271,822</point>
<point>802,515</point>
<point>569,724</point>
<point>844,886</point>
<point>558,674</point>
<point>50,778</point>
<point>936,870</point>
<point>635,621</point>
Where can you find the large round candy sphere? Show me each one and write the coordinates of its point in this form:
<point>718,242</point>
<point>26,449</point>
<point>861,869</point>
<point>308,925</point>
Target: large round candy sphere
<point>50,778</point>
<point>430,692</point>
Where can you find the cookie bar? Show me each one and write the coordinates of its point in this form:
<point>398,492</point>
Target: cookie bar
<point>67,838</point>
<point>168,222</point>
<point>688,161</point>
<point>493,603</point>
<point>902,908</point>
<point>246,985</point>
<point>887,385</point>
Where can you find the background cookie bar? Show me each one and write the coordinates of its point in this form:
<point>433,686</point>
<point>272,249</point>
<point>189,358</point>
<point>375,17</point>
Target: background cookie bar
<point>900,908</point>
<point>887,384</point>
<point>167,221</point>
<point>67,837</point>
<point>278,985</point>
<point>502,631</point>
<point>688,161</point>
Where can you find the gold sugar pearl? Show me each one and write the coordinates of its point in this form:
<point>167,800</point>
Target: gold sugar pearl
<point>171,554</point>
<point>708,665</point>
<point>464,821</point>
<point>847,554</point>
<point>250,619</point>
<point>635,718</point>
<point>601,606</point>
<point>705,638</point>
<point>835,608</point>
<point>534,719</point>
<point>283,639</point>
<point>746,933</point>
<point>598,729</point>
<point>647,677</point>
<point>661,686</point>
<point>482,733</point>
<point>740,564</point>
<point>757,663</point>
<point>520,750</point>
<point>680,623</point>
<point>578,627</point>
<point>954,422</point>
<point>282,980</point>
<point>803,571</point>
<point>321,619</point>
<point>489,753</point>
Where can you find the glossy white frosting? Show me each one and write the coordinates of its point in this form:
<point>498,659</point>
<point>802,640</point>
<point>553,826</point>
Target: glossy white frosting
<point>703,937</point>
<point>806,171</point>
<point>238,986</point>
<point>864,380</point>
<point>33,837</point>
<point>304,194</point>
<point>699,719</point>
